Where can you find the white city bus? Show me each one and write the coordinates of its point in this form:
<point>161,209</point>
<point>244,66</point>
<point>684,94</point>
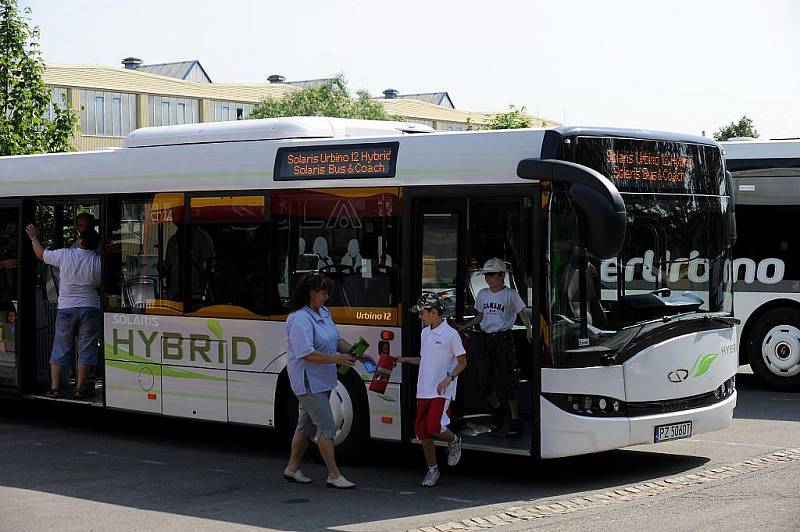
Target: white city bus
<point>766,177</point>
<point>206,228</point>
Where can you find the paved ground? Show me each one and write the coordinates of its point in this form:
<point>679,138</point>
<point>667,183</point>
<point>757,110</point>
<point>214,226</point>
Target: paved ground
<point>129,472</point>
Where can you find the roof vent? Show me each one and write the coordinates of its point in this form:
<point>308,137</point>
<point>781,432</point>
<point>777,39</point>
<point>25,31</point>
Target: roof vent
<point>390,94</point>
<point>131,63</point>
<point>276,78</point>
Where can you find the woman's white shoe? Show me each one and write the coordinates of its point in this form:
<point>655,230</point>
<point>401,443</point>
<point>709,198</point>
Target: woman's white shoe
<point>297,476</point>
<point>340,483</point>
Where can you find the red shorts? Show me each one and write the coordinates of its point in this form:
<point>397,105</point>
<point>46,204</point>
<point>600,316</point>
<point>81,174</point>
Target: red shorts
<point>432,417</point>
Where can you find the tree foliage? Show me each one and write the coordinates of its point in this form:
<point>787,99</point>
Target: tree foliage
<point>512,119</point>
<point>24,98</point>
<point>742,128</point>
<point>331,98</point>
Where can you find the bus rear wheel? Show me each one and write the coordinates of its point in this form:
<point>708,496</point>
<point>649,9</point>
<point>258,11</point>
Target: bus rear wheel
<point>774,349</point>
<point>350,417</point>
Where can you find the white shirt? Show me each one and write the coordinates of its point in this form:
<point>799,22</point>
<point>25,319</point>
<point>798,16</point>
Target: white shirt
<point>438,351</point>
<point>499,309</point>
<point>79,271</point>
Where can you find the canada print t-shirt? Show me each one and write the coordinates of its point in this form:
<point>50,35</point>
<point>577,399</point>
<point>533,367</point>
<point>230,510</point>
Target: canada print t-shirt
<point>499,309</point>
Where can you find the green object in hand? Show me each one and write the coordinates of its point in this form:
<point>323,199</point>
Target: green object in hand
<point>357,350</point>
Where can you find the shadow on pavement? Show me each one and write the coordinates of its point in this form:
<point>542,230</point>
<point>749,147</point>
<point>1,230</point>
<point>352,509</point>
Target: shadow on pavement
<point>233,474</point>
<point>758,401</point>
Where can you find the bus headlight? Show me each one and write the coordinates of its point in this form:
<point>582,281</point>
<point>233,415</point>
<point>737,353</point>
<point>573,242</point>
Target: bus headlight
<point>588,405</point>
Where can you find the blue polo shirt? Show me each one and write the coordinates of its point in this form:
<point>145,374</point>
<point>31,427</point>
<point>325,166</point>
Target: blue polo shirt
<point>308,331</point>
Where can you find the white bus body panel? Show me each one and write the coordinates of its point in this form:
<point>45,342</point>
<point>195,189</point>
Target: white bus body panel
<point>221,369</point>
<point>709,358</point>
<point>608,381</point>
<point>457,158</point>
<point>749,302</point>
<point>697,363</point>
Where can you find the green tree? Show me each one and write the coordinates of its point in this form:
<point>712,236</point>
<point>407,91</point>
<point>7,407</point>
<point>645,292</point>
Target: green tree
<point>512,119</point>
<point>331,98</point>
<point>742,128</point>
<point>24,98</point>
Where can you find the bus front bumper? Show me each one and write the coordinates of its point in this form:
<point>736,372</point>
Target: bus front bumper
<point>566,434</point>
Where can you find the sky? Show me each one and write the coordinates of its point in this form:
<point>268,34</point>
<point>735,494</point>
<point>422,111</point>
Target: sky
<point>679,65</point>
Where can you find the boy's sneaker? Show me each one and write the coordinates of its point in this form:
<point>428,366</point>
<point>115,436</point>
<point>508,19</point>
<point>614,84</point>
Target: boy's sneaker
<point>514,428</point>
<point>454,451</point>
<point>497,419</point>
<point>431,478</point>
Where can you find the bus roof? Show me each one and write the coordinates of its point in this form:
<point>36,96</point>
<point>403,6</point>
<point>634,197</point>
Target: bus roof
<point>761,149</point>
<point>304,127</point>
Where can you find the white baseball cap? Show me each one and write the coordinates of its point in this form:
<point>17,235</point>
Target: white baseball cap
<point>494,265</point>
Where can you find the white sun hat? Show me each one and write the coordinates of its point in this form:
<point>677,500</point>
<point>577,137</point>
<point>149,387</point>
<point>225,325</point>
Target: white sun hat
<point>494,265</point>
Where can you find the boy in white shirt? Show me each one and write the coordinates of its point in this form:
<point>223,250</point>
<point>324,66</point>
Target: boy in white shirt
<point>496,309</point>
<point>442,359</point>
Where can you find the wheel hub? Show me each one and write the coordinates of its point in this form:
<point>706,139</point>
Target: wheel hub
<point>781,350</point>
<point>342,408</point>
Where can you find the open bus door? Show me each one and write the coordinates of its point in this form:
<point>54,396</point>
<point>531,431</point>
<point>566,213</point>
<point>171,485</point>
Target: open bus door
<point>10,269</point>
<point>451,234</point>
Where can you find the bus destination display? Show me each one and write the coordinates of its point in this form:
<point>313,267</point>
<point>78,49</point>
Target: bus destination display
<point>337,162</point>
<point>635,165</point>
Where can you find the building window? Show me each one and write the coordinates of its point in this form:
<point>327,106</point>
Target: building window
<point>94,119</point>
<point>100,115</point>
<point>165,121</point>
<point>116,116</point>
<point>222,111</point>
<point>167,110</point>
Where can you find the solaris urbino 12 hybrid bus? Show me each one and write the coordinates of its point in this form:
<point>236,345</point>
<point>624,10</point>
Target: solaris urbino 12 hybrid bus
<point>206,228</point>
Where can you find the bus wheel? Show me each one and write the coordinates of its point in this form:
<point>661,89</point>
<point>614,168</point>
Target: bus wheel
<point>350,416</point>
<point>774,349</point>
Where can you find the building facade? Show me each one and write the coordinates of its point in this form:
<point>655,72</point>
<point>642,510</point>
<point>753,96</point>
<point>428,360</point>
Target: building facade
<point>111,101</point>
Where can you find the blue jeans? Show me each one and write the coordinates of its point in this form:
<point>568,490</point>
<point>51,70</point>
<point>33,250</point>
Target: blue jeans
<point>80,322</point>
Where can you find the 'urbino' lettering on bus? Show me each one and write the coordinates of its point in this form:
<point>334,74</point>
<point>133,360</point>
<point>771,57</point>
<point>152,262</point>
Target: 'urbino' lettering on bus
<point>694,268</point>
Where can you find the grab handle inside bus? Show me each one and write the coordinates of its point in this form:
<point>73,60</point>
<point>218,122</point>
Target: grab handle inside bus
<point>597,197</point>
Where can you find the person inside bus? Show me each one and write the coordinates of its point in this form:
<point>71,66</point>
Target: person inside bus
<point>78,307</point>
<point>314,348</point>
<point>496,310</point>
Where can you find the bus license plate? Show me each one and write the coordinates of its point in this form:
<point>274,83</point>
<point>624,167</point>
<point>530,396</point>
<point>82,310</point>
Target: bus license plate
<point>675,431</point>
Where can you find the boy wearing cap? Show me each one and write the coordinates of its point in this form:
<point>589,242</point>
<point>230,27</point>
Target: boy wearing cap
<point>497,308</point>
<point>442,359</point>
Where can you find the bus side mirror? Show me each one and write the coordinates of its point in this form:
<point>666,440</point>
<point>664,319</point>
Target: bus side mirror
<point>732,209</point>
<point>598,199</point>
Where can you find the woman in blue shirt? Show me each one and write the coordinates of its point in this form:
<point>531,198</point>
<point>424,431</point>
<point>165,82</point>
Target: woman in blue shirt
<point>314,348</point>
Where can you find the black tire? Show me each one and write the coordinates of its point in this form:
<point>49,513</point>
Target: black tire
<point>772,345</point>
<point>348,449</point>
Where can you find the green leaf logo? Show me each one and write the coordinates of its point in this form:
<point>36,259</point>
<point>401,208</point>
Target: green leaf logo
<point>215,328</point>
<point>702,364</point>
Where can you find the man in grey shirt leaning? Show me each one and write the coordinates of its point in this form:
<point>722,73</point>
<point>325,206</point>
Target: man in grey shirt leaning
<point>78,307</point>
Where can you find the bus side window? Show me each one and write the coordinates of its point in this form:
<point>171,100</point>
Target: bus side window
<point>349,231</point>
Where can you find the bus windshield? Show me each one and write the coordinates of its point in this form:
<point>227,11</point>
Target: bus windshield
<point>675,261</point>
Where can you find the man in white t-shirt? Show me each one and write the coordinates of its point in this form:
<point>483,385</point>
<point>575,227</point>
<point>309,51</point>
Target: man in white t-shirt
<point>78,307</point>
<point>442,359</point>
<point>497,308</point>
